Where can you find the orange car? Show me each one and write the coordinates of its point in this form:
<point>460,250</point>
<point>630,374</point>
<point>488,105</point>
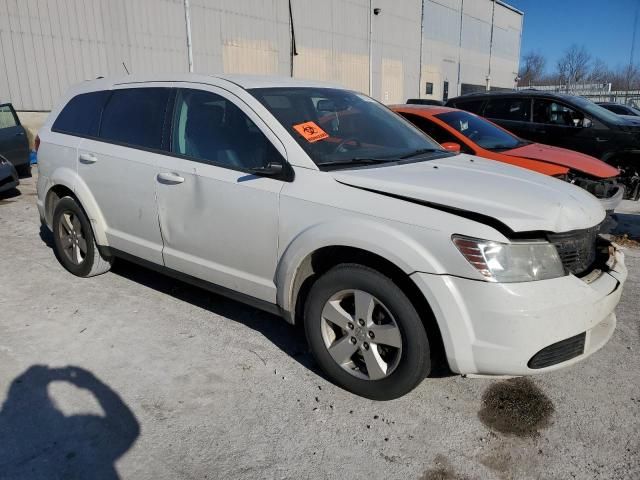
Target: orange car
<point>461,131</point>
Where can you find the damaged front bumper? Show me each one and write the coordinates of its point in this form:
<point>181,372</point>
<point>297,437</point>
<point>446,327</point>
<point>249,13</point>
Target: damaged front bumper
<point>525,328</point>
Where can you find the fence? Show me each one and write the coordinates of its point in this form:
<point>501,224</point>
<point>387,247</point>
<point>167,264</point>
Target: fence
<point>596,92</point>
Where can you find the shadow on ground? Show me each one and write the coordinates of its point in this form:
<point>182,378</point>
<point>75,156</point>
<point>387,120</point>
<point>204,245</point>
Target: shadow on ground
<point>38,441</point>
<point>8,195</point>
<point>290,339</point>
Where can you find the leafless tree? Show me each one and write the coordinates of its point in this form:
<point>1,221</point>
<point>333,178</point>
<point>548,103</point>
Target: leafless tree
<point>626,77</point>
<point>600,72</point>
<point>531,69</point>
<point>574,65</point>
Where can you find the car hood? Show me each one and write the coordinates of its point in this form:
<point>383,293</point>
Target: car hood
<point>566,158</point>
<point>518,198</point>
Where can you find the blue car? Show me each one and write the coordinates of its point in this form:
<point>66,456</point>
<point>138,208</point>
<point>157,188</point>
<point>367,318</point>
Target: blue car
<point>14,144</point>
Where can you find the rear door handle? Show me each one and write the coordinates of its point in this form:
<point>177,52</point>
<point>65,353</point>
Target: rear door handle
<point>20,134</point>
<point>88,158</point>
<point>601,140</point>
<point>170,178</point>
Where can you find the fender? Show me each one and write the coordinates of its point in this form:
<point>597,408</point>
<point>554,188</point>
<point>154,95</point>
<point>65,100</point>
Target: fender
<point>383,240</point>
<point>69,178</point>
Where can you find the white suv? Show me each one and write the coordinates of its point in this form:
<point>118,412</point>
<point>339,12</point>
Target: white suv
<point>320,204</point>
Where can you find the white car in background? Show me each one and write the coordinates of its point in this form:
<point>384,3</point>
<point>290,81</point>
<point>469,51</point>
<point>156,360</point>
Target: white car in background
<point>320,204</point>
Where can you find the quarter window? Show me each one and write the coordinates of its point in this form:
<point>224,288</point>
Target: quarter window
<point>554,113</point>
<point>516,109</point>
<point>81,116</point>
<point>135,117</point>
<point>210,128</point>
<point>7,119</point>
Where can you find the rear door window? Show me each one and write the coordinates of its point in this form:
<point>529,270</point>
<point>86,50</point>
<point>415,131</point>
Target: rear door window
<point>514,109</point>
<point>81,116</point>
<point>135,117</point>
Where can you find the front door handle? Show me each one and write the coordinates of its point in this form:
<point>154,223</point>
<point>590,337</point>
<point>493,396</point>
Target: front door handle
<point>88,158</point>
<point>170,178</point>
<point>20,134</point>
<point>601,140</point>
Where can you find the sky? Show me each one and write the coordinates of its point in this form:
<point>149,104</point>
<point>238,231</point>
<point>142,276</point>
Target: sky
<point>604,27</point>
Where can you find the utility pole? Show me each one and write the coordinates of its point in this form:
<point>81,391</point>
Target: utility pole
<point>370,48</point>
<point>493,17</point>
<point>187,20</point>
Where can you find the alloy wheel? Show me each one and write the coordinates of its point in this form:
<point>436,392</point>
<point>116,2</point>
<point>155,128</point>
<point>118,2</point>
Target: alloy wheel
<point>361,334</point>
<point>72,239</point>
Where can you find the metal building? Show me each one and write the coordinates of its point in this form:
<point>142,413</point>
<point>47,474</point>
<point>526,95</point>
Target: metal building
<point>408,48</point>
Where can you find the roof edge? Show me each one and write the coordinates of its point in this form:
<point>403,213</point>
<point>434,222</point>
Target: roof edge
<point>510,7</point>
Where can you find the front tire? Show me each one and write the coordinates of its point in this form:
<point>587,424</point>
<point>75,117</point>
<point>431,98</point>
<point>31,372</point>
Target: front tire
<point>74,243</point>
<point>365,333</point>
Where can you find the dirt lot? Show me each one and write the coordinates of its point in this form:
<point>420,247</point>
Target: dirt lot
<point>137,375</point>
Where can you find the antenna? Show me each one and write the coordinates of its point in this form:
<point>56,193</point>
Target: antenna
<point>125,68</point>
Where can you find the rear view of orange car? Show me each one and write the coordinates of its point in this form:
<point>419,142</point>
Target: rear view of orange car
<point>458,130</point>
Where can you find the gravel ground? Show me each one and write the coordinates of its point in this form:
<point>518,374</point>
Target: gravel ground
<point>136,376</point>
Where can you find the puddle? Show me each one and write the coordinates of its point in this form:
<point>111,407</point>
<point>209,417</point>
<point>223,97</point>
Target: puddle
<point>516,407</point>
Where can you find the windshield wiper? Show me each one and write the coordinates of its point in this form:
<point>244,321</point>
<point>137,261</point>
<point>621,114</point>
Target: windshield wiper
<point>421,151</point>
<point>354,161</point>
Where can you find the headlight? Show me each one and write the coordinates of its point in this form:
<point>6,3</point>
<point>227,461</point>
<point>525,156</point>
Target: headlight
<point>511,262</point>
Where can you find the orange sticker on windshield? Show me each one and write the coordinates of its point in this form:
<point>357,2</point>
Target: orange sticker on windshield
<point>310,131</point>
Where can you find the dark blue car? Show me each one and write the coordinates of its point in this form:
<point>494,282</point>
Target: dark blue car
<point>14,145</point>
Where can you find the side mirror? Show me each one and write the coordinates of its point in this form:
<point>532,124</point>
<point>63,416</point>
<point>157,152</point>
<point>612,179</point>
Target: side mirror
<point>451,147</point>
<point>271,169</point>
<point>587,123</point>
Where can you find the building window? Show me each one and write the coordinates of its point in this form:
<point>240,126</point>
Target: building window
<point>429,89</point>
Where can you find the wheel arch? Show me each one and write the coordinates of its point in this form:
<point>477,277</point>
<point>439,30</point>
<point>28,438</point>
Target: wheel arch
<point>65,182</point>
<point>304,262</point>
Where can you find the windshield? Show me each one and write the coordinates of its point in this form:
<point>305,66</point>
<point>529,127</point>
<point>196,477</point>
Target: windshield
<point>483,133</point>
<point>598,111</point>
<point>340,127</point>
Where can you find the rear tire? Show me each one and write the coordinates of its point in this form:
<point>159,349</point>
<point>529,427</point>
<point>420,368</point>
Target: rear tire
<point>74,243</point>
<point>382,356</point>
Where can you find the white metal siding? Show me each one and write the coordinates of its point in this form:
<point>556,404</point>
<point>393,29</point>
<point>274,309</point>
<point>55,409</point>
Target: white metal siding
<point>48,45</point>
<point>457,45</point>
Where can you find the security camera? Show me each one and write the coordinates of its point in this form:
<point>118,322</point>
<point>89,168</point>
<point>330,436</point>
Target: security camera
<point>376,11</point>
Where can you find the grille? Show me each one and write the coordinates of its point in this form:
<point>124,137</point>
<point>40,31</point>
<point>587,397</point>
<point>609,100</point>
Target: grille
<point>559,352</point>
<point>577,249</point>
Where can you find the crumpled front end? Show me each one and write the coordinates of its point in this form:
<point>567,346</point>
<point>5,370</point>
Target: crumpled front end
<point>530,327</point>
